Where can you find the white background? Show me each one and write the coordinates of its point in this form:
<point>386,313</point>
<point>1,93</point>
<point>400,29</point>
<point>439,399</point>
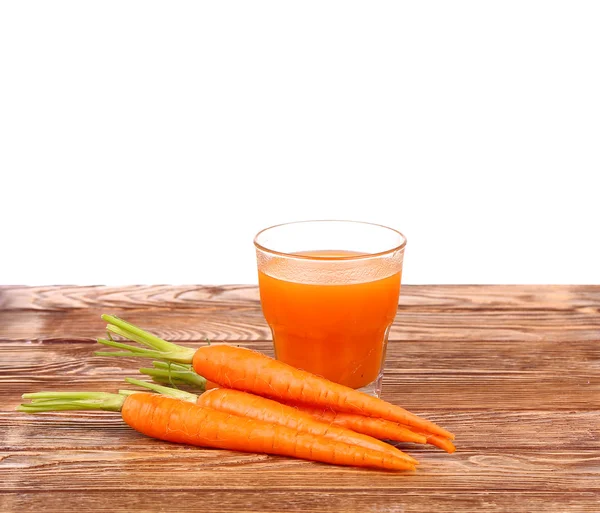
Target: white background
<point>147,142</point>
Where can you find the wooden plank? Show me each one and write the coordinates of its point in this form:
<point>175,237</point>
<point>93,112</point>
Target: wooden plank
<point>449,313</point>
<point>516,431</point>
<point>197,469</point>
<point>56,298</point>
<point>423,297</point>
<point>425,357</point>
<point>428,357</point>
<point>419,375</point>
<point>301,501</point>
<point>215,323</point>
<point>445,395</point>
<point>225,324</point>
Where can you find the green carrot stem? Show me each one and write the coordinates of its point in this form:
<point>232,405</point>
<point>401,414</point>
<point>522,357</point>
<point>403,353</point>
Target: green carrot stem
<point>135,351</point>
<point>183,355</point>
<point>110,330</point>
<point>179,394</point>
<point>59,401</point>
<point>176,378</point>
<point>172,376</point>
<point>138,334</point>
<point>158,348</point>
<point>172,366</point>
<point>64,395</point>
<point>120,345</point>
<point>171,382</point>
<point>128,392</point>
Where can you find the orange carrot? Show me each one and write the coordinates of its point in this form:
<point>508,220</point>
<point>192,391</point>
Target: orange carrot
<point>179,421</point>
<point>253,406</point>
<point>377,428</point>
<point>243,369</point>
<point>250,371</point>
<point>438,441</point>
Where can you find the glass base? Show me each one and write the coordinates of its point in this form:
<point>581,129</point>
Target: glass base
<point>373,388</point>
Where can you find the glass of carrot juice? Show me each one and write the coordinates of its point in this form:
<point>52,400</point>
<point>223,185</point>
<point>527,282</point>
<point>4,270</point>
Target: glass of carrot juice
<point>329,291</point>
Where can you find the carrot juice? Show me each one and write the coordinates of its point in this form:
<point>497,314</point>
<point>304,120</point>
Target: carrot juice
<point>330,309</point>
<point>336,330</point>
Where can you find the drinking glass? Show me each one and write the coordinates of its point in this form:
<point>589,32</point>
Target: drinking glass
<point>329,291</point>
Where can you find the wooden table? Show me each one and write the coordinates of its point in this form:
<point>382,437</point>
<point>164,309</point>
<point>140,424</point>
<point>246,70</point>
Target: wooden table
<point>514,371</point>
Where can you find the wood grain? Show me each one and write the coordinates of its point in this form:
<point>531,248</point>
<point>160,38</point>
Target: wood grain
<point>298,500</point>
<point>423,297</point>
<point>193,314</point>
<point>513,370</point>
<point>199,468</point>
<point>479,431</point>
<point>499,375</point>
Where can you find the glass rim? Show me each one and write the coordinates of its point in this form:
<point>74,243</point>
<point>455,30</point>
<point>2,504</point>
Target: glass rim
<point>324,257</point>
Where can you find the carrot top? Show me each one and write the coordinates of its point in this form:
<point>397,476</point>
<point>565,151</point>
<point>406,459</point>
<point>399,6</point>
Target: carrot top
<point>59,401</point>
<point>158,348</point>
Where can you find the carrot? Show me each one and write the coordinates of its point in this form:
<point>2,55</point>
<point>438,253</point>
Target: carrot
<point>377,428</point>
<point>250,371</point>
<point>438,441</point>
<point>252,406</point>
<point>179,421</point>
